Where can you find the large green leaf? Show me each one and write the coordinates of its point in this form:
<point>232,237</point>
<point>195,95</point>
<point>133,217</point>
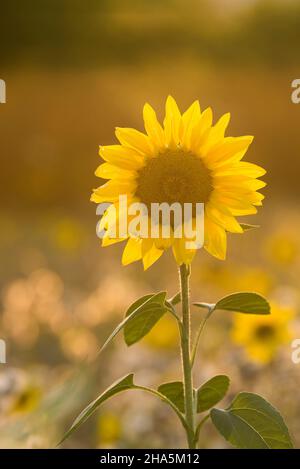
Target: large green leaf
<point>252,422</point>
<point>243,302</point>
<point>119,386</point>
<point>208,395</point>
<point>211,392</point>
<point>136,308</point>
<point>174,392</point>
<point>149,308</point>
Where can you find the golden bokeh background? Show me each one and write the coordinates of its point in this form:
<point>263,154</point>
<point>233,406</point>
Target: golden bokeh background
<point>75,70</point>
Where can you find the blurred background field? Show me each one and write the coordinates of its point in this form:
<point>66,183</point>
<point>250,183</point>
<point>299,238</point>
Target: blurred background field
<point>74,71</point>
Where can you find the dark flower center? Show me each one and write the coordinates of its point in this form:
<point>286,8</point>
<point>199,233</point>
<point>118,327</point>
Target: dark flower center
<point>264,332</point>
<point>174,176</point>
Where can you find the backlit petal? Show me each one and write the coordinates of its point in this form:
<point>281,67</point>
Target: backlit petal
<point>215,239</point>
<point>110,171</point>
<point>150,253</point>
<point>132,251</point>
<point>134,139</point>
<point>229,223</point>
<point>189,119</point>
<point>153,127</point>
<point>111,190</point>
<point>121,156</point>
<point>172,123</point>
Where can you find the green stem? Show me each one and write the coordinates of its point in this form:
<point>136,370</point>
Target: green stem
<point>185,352</point>
<point>199,333</point>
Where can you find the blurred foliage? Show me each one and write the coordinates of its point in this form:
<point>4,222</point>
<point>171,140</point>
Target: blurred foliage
<point>101,32</point>
<point>58,305</point>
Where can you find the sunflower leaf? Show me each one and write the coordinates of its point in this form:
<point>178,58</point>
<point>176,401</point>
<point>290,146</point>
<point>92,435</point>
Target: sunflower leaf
<point>242,302</point>
<point>212,392</point>
<point>208,395</point>
<point>174,392</point>
<point>124,384</point>
<point>251,422</point>
<point>175,299</point>
<point>139,306</point>
<point>119,386</point>
<point>144,314</point>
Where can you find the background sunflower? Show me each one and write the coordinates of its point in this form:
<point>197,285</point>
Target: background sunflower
<point>262,336</point>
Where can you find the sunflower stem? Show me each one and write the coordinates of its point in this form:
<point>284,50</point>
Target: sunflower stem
<point>186,356</point>
<point>198,336</point>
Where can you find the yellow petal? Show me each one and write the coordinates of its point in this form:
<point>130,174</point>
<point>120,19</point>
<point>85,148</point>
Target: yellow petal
<point>132,251</point>
<point>116,216</point>
<point>201,130</point>
<point>107,241</point>
<point>162,243</point>
<point>236,206</point>
<point>181,253</point>
<point>124,157</point>
<point>134,139</point>
<point>255,198</point>
<point>153,127</point>
<point>229,147</point>
<point>215,200</point>
<point>188,121</point>
<point>110,171</point>
<point>255,184</point>
<point>251,197</point>
<point>172,123</point>
<point>217,132</point>
<point>228,222</point>
<point>241,168</point>
<point>220,127</point>
<point>215,239</point>
<point>111,190</point>
<point>239,207</point>
<point>108,217</point>
<point>235,158</point>
<point>236,183</point>
<point>150,253</point>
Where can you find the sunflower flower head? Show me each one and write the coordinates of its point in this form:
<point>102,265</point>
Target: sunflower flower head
<point>187,160</point>
<point>263,335</point>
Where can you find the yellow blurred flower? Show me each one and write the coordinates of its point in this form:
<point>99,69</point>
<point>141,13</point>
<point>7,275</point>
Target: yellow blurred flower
<point>262,335</point>
<point>26,400</point>
<point>187,160</point>
<point>283,249</point>
<point>243,278</point>
<point>68,234</point>
<point>164,334</point>
<point>109,428</point>
<point>254,279</point>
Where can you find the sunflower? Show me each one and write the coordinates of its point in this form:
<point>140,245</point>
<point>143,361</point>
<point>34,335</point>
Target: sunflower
<point>187,160</point>
<point>262,336</point>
